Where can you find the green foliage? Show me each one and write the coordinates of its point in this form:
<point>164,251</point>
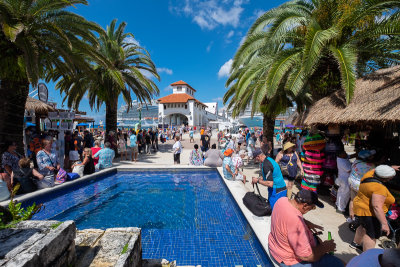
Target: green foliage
<point>105,83</point>
<point>305,49</point>
<point>54,226</point>
<point>18,212</point>
<point>125,249</point>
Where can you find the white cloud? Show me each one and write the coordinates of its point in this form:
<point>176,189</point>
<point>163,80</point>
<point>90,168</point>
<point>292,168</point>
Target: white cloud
<point>208,48</point>
<point>258,13</point>
<point>209,14</point>
<point>225,70</point>
<point>165,70</point>
<point>147,74</point>
<point>242,40</point>
<point>168,88</point>
<point>132,40</point>
<point>217,99</point>
<point>230,34</point>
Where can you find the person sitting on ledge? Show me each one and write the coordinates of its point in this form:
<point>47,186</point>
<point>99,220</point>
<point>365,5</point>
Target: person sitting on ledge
<point>213,157</point>
<point>26,176</point>
<point>106,156</point>
<point>291,241</point>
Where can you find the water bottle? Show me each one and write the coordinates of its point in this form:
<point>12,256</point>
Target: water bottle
<point>330,238</point>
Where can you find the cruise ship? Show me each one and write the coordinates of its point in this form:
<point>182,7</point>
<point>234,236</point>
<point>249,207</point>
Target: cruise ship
<point>257,119</point>
<point>149,115</point>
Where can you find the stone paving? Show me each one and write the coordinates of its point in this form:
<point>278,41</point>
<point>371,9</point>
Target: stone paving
<point>326,217</point>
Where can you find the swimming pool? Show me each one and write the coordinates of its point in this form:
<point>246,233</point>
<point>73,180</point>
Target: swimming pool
<point>185,215</point>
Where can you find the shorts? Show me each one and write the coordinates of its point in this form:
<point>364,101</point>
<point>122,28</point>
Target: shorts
<point>290,179</point>
<point>371,225</point>
<point>177,158</point>
<point>134,149</point>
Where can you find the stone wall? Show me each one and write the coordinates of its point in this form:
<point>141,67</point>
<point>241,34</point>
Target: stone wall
<point>53,243</point>
<point>38,243</point>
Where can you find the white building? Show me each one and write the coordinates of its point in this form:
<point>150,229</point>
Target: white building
<point>181,107</point>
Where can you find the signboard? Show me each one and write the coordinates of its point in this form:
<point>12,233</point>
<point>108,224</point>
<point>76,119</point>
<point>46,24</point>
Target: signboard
<point>43,92</point>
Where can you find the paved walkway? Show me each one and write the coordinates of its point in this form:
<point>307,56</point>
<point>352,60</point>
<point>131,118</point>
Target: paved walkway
<point>326,217</point>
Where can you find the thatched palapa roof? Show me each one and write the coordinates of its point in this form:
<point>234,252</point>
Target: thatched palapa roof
<point>38,106</point>
<point>376,100</point>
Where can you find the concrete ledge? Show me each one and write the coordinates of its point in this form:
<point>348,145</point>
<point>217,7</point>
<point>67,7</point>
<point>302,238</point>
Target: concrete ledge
<point>260,225</point>
<point>61,187</point>
<point>118,247</point>
<point>38,243</point>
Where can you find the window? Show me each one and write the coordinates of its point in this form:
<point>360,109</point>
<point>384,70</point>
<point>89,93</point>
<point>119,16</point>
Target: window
<point>165,106</point>
<point>179,88</point>
<point>186,106</point>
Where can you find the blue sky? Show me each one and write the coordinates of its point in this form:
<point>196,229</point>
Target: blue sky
<point>190,40</point>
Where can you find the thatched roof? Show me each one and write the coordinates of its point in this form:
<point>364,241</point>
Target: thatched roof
<point>38,106</point>
<point>376,100</point>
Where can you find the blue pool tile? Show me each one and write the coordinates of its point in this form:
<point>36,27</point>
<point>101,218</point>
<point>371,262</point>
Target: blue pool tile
<point>185,216</point>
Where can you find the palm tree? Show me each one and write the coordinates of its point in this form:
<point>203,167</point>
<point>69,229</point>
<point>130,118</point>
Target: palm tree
<point>36,37</point>
<point>104,84</point>
<point>314,47</point>
<point>327,44</point>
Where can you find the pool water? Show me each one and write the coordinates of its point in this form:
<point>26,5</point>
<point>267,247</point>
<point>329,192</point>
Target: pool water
<point>185,216</point>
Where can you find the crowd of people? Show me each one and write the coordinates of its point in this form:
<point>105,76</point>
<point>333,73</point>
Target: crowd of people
<point>293,240</point>
<point>40,167</point>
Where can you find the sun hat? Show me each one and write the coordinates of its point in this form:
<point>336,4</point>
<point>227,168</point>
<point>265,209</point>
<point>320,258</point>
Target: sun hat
<point>364,154</point>
<point>228,152</point>
<point>287,145</point>
<point>309,197</point>
<point>385,172</point>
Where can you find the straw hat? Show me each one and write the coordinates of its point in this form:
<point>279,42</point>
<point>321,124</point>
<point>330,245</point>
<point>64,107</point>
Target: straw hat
<point>287,145</point>
<point>228,152</point>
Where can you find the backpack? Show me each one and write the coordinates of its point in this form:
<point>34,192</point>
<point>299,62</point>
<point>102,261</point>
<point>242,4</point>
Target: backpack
<point>257,204</point>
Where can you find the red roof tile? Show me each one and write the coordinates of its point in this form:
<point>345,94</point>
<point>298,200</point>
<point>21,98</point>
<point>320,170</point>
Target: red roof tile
<point>182,83</point>
<point>178,98</point>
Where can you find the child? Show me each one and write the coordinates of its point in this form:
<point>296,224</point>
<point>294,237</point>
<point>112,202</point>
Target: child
<point>191,134</point>
<point>177,148</point>
<point>122,147</point>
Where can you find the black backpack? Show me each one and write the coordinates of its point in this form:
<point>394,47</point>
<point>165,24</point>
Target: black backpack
<point>257,204</point>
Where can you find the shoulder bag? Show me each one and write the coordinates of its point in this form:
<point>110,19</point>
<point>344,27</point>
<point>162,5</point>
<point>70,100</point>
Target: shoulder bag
<point>285,168</point>
<point>257,204</point>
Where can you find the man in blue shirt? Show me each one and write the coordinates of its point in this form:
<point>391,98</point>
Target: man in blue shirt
<point>106,156</point>
<point>271,176</point>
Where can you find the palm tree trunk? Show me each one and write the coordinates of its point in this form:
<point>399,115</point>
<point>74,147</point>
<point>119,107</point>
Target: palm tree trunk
<point>111,115</point>
<point>268,129</point>
<point>13,95</point>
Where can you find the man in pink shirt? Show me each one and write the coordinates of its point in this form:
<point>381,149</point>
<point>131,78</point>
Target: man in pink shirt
<point>291,241</point>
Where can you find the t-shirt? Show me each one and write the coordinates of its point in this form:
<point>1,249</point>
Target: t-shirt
<point>228,161</point>
<point>205,139</point>
<point>290,237</point>
<point>362,202</point>
<point>358,169</point>
<point>368,258</point>
<point>177,147</point>
<point>133,140</point>
<point>272,172</point>
<point>344,169</point>
<point>213,158</point>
